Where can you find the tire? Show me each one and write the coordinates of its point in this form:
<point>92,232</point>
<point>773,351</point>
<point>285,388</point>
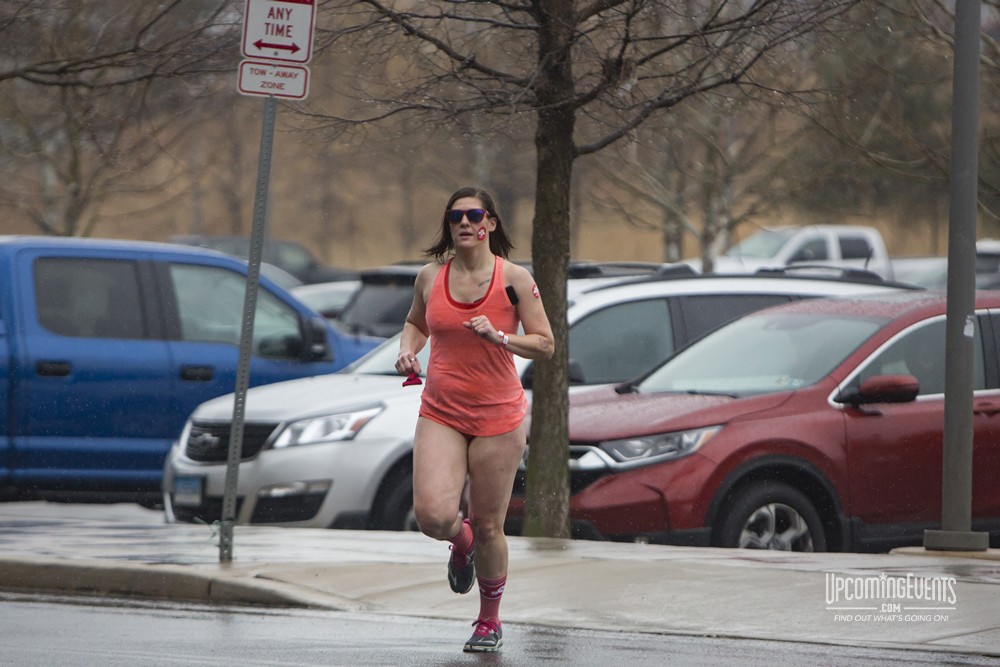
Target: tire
<point>773,516</point>
<point>393,508</point>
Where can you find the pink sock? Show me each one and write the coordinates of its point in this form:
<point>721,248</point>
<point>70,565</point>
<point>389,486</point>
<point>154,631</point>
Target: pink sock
<point>490,592</point>
<point>463,539</point>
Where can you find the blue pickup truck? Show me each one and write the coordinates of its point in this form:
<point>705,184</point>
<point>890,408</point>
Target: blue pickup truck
<point>107,346</point>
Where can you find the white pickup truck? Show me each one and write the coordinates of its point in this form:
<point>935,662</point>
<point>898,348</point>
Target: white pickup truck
<point>827,245</point>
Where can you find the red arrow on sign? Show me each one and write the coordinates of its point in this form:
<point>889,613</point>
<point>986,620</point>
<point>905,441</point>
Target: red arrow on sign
<point>261,44</point>
<point>279,30</point>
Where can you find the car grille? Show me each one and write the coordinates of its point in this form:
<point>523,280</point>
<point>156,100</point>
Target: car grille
<point>208,512</point>
<point>267,510</point>
<point>291,508</point>
<point>578,479</point>
<point>208,442</point>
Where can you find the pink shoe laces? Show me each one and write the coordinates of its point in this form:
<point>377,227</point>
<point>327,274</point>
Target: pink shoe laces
<point>459,559</point>
<point>484,627</point>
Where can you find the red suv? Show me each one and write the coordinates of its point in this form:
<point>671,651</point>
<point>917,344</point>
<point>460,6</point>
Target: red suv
<point>811,426</point>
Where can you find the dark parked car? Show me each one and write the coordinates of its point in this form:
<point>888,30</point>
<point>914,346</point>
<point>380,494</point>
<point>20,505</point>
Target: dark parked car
<point>288,256</point>
<point>327,299</point>
<point>811,426</point>
<point>379,306</point>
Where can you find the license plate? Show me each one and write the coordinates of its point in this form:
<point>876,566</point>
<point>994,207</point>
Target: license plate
<point>188,491</point>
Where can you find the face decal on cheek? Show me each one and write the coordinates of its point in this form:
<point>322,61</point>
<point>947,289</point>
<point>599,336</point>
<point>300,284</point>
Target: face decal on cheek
<point>481,234</point>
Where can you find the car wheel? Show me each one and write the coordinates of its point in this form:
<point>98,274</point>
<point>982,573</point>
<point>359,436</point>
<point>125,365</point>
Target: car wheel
<point>394,505</point>
<point>772,516</point>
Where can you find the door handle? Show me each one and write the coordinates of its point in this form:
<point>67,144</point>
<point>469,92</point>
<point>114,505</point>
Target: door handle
<point>53,368</point>
<point>985,408</point>
<point>197,373</point>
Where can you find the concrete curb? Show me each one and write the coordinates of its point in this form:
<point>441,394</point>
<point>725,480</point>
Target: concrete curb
<point>165,582</point>
<point>245,586</point>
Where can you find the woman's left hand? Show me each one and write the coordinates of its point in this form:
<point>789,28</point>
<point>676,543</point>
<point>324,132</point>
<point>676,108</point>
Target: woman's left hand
<point>482,327</point>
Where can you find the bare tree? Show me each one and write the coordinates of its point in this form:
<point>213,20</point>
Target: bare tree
<point>703,170</point>
<point>880,136</point>
<point>94,93</point>
<point>929,24</point>
<point>587,74</point>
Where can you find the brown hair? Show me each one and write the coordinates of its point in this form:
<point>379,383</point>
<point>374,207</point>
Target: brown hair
<point>500,243</point>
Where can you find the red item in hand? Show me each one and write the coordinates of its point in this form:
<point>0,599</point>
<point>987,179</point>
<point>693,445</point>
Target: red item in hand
<point>412,379</point>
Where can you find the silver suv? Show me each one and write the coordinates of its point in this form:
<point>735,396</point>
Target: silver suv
<point>335,450</point>
<point>380,306</point>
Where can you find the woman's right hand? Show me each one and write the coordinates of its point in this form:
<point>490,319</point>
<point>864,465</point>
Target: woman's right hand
<point>407,363</point>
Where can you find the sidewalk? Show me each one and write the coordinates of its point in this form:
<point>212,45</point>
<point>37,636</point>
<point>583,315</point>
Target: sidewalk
<point>948,603</point>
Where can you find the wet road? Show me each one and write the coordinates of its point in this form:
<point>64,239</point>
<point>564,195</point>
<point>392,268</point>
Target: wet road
<point>76,631</point>
<point>40,631</point>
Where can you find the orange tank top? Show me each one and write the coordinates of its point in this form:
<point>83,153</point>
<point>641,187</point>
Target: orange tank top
<point>472,385</point>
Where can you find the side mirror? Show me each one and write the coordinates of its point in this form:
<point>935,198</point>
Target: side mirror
<point>883,389</point>
<point>317,347</point>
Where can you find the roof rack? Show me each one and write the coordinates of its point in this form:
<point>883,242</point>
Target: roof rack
<point>585,269</point>
<point>829,270</point>
<point>679,269</point>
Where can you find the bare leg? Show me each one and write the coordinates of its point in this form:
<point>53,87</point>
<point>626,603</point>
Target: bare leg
<point>440,466</point>
<point>493,465</point>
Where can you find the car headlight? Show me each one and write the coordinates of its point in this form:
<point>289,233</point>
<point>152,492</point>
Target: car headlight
<point>342,426</point>
<point>650,449</point>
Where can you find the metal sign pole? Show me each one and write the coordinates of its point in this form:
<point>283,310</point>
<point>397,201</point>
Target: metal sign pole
<point>273,30</point>
<point>956,492</point>
<point>246,334</point>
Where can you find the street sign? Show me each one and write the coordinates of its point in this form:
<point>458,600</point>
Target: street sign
<point>261,78</point>
<point>273,30</point>
<point>279,30</point>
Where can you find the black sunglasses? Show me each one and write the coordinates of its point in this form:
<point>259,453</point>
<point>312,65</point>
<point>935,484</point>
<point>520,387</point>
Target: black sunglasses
<point>454,215</point>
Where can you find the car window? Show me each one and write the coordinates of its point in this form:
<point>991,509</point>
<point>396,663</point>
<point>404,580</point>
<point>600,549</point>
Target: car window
<point>621,341</point>
<point>705,312</point>
<point>812,249</point>
<point>855,247</point>
<point>378,309</point>
<point>919,352</point>
<point>210,309</point>
<point>89,297</point>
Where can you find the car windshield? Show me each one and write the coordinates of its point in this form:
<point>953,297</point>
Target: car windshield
<point>382,360</point>
<point>763,353</point>
<point>763,244</point>
<point>378,308</point>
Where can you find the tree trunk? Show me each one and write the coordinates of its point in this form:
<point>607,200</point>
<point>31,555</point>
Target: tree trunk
<point>547,493</point>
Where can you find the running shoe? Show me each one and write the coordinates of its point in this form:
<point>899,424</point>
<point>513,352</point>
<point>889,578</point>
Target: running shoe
<point>488,637</point>
<point>462,570</point>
